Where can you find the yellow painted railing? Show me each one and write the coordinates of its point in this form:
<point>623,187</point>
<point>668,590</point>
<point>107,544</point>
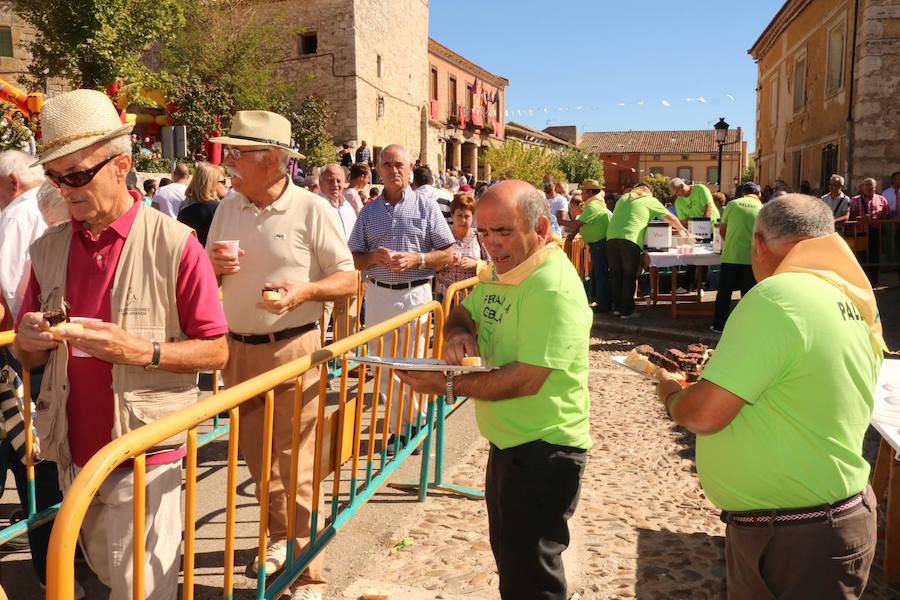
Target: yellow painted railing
<point>456,292</point>
<point>337,443</point>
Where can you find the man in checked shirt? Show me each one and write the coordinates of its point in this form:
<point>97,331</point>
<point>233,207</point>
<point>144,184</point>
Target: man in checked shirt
<point>399,239</point>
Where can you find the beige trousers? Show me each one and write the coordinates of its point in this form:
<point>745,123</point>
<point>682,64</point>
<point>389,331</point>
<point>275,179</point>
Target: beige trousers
<point>107,531</point>
<point>244,362</point>
<point>383,304</point>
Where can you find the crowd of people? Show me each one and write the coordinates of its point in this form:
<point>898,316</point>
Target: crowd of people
<point>142,272</point>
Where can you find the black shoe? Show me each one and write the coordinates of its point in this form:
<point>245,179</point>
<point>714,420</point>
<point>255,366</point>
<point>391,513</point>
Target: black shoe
<point>390,445</point>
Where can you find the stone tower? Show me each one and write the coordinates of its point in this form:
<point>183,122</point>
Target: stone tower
<point>369,59</point>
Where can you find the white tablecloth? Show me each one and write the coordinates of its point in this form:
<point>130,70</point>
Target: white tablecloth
<point>703,255</point>
<point>886,415</point>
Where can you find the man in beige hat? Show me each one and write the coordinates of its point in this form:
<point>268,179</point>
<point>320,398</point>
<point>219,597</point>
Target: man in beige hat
<point>144,281</point>
<point>291,242</point>
<point>592,224</point>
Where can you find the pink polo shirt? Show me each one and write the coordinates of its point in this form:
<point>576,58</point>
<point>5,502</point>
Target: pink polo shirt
<point>91,270</point>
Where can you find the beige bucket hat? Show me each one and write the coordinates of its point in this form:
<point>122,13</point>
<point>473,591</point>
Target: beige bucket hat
<point>590,184</point>
<point>75,120</point>
<point>259,128</point>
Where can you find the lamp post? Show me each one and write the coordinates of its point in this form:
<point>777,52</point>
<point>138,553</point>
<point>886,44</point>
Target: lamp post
<point>721,135</point>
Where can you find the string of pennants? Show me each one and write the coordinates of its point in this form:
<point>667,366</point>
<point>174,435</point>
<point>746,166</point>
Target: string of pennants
<point>665,103</point>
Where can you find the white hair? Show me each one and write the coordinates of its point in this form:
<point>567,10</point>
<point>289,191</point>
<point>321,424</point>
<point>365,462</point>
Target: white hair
<point>51,203</point>
<point>118,145</point>
<point>794,217</point>
<point>14,162</point>
<point>677,183</point>
<point>284,158</point>
<point>837,178</point>
<point>533,204</point>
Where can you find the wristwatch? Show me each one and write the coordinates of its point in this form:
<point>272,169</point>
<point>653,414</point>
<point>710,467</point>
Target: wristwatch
<point>154,360</point>
<point>449,396</point>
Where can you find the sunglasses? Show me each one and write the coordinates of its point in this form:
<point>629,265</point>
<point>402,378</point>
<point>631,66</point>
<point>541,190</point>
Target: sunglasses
<point>78,178</point>
<point>236,153</point>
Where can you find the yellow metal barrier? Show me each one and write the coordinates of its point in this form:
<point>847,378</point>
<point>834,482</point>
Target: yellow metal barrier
<point>345,422</point>
<point>456,292</point>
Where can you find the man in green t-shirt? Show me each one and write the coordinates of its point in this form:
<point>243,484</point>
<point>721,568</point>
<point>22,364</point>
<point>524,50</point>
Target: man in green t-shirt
<point>781,411</point>
<point>693,201</point>
<point>529,317</point>
<point>626,234</point>
<point>736,230</point>
<point>592,224</point>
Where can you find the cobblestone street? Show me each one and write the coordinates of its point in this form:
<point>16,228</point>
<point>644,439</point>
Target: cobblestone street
<point>643,527</point>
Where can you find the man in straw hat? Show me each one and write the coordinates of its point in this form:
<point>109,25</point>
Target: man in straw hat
<point>782,409</point>
<point>291,246</point>
<point>153,320</point>
<point>592,224</point>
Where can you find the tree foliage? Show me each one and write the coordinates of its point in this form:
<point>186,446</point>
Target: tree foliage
<point>309,125</point>
<point>749,172</point>
<point>578,165</point>
<point>659,183</point>
<point>92,43</point>
<point>224,61</point>
<point>513,160</point>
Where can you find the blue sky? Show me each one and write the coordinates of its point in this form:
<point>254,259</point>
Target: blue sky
<point>598,54</point>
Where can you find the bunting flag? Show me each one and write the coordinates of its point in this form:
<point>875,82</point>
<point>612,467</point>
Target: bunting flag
<point>642,103</point>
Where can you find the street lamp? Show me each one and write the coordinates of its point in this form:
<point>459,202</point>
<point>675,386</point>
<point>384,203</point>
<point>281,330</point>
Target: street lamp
<point>721,135</point>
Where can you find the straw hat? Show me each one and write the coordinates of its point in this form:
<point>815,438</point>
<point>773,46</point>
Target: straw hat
<point>590,184</point>
<point>259,128</point>
<point>75,120</point>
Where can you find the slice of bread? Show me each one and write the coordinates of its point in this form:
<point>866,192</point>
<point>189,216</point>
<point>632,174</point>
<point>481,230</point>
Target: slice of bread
<point>471,361</point>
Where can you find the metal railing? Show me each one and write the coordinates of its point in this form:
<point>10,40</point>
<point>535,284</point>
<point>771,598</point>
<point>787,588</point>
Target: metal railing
<point>342,430</point>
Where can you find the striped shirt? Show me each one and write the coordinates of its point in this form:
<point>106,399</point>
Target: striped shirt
<point>415,224</point>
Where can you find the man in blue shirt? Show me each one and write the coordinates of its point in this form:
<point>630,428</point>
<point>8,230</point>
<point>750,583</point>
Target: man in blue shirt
<point>399,240</point>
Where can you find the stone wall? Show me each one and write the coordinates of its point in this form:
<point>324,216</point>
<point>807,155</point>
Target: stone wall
<point>397,32</point>
<point>351,35</point>
<point>330,73</point>
<point>876,148</point>
<point>15,69</point>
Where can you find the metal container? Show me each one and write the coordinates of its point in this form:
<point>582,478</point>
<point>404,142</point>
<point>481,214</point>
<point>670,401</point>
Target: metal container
<point>659,236</point>
<point>701,228</point>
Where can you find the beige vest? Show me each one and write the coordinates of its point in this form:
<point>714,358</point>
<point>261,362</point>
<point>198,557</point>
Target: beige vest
<point>144,304</point>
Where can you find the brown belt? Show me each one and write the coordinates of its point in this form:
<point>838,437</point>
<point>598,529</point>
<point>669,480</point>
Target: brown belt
<point>267,338</point>
<point>793,516</point>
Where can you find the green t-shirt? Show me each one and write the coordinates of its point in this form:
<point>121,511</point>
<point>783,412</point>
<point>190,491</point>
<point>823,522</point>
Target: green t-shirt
<point>631,216</point>
<point>543,321</point>
<point>693,206</point>
<point>595,217</point>
<point>739,217</point>
<point>797,352</point>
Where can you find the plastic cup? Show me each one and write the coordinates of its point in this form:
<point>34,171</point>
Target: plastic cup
<point>231,246</point>
<point>75,351</point>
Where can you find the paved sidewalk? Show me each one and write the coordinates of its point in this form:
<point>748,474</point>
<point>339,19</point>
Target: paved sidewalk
<point>643,527</point>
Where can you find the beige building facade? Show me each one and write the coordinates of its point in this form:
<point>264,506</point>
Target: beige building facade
<point>465,113</point>
<point>827,92</point>
<point>692,155</point>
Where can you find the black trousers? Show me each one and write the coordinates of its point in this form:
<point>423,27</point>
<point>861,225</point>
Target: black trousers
<point>531,492</point>
<point>600,276</point>
<point>731,277</point>
<point>624,267</point>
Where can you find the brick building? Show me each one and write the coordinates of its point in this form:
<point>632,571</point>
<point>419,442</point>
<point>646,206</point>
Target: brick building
<point>466,106</point>
<point>629,156</point>
<point>533,138</point>
<point>14,59</point>
<point>827,100</point>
